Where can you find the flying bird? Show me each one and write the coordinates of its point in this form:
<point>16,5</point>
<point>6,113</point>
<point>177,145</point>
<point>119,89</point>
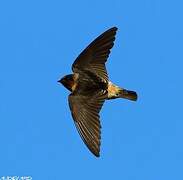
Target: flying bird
<point>90,87</point>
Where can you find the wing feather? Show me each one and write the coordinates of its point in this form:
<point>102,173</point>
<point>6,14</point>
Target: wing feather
<point>85,112</point>
<point>93,58</point>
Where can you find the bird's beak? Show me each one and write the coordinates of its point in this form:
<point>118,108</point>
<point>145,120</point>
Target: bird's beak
<point>60,81</point>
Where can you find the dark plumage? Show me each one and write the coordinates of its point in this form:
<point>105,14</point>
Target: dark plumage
<point>90,87</point>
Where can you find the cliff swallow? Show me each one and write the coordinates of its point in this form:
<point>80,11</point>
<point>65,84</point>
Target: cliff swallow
<point>90,87</point>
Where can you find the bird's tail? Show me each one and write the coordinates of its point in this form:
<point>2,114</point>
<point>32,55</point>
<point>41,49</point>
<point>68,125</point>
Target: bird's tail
<point>131,95</point>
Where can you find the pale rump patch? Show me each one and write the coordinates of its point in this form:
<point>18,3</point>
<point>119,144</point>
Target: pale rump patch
<point>113,90</point>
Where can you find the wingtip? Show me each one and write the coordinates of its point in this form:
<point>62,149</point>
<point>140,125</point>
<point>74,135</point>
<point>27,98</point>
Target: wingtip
<point>97,155</point>
<point>114,28</point>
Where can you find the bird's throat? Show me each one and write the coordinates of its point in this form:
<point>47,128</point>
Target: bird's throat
<point>70,82</point>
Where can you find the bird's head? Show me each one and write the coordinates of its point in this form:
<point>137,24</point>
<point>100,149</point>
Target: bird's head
<point>67,81</point>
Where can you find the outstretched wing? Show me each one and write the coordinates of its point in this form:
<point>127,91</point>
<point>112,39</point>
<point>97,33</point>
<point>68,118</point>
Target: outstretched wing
<point>85,112</point>
<point>93,58</point>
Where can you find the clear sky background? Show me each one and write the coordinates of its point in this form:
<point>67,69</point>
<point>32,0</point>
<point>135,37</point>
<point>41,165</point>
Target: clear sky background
<point>39,41</point>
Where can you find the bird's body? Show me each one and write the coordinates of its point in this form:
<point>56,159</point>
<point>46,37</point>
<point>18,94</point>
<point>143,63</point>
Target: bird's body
<point>89,84</point>
<point>90,87</point>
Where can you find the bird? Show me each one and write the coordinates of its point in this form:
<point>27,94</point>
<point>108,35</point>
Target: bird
<point>90,87</point>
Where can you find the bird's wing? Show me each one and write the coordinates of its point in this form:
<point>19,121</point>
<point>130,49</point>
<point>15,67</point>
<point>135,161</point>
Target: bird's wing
<point>93,58</point>
<point>85,112</point>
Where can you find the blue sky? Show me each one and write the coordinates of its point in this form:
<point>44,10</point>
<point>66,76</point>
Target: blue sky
<point>39,41</point>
